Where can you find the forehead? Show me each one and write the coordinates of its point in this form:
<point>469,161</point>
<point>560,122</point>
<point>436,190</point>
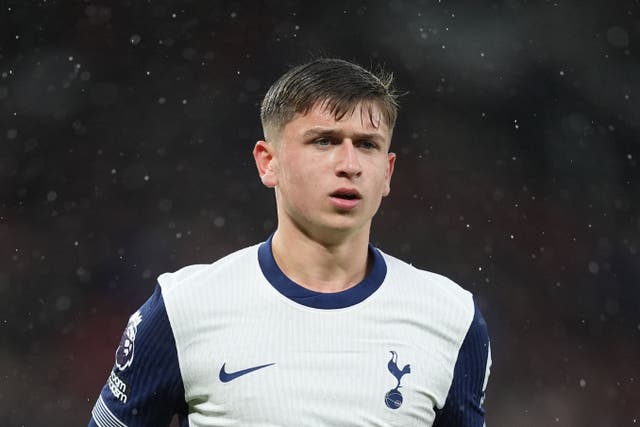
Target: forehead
<point>363,116</point>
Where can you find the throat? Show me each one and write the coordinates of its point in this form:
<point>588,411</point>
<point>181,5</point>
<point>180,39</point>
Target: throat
<point>320,268</point>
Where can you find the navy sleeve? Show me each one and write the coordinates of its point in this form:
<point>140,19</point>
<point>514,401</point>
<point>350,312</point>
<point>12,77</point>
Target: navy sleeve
<point>463,407</point>
<point>145,386</point>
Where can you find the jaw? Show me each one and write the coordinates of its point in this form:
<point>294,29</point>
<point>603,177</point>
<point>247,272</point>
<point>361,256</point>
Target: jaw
<point>318,219</point>
<point>329,229</point>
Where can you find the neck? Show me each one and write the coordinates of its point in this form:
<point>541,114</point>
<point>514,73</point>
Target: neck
<point>321,264</point>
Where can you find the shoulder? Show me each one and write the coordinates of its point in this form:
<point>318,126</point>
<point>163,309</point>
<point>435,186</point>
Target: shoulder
<point>192,276</point>
<point>464,403</point>
<point>430,285</point>
<point>207,292</point>
<point>436,301</point>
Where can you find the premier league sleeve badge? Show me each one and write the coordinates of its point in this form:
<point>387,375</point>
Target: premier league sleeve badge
<point>126,349</point>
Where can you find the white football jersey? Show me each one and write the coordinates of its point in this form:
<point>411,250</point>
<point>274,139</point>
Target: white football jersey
<point>237,343</point>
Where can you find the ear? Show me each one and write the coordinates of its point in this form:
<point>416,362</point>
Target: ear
<point>263,154</point>
<point>387,185</point>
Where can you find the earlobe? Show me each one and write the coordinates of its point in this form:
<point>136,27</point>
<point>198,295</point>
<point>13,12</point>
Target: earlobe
<point>263,156</point>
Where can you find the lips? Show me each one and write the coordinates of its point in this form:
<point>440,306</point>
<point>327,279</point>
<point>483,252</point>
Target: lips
<point>345,198</point>
<point>347,194</point>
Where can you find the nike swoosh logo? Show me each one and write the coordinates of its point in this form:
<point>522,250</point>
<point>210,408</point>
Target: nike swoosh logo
<point>225,376</point>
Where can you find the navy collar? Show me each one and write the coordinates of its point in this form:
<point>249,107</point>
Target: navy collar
<point>309,298</point>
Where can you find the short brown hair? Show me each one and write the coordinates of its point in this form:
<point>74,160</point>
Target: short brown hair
<point>340,84</point>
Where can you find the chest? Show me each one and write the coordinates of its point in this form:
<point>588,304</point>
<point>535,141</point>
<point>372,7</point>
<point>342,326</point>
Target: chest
<point>281,367</point>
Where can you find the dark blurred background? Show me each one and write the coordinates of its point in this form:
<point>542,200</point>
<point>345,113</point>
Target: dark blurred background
<point>125,136</point>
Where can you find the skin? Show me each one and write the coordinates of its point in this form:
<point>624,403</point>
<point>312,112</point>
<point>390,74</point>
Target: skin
<point>319,243</point>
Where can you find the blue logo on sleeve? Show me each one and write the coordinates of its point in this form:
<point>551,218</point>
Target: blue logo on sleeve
<point>393,398</point>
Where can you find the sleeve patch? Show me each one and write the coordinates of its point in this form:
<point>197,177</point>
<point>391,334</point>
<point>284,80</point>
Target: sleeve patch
<point>126,349</point>
<point>144,387</point>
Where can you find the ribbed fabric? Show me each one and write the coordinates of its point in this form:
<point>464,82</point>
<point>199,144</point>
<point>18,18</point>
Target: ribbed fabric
<point>238,343</point>
<point>387,358</point>
<point>103,417</point>
<point>152,383</point>
<point>464,402</point>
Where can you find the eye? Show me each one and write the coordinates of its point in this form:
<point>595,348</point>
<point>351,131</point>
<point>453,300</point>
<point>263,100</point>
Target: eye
<point>368,145</point>
<point>322,142</point>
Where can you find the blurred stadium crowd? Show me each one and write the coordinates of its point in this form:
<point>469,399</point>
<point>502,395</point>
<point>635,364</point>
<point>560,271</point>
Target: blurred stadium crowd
<point>125,152</point>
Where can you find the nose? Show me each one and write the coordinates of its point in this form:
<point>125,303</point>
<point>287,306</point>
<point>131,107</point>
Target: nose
<point>348,162</point>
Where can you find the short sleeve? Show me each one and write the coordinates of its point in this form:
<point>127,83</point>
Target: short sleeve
<point>145,386</point>
<point>463,407</point>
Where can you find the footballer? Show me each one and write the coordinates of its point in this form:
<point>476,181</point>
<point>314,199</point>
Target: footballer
<point>314,326</point>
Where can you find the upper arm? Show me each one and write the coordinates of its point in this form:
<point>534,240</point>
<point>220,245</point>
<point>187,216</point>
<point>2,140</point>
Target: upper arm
<point>145,385</point>
<point>463,407</point>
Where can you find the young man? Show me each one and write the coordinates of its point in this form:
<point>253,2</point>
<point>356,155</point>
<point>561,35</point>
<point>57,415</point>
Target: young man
<point>314,327</point>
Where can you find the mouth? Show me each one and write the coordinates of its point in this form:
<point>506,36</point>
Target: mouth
<point>345,199</point>
<point>346,194</point>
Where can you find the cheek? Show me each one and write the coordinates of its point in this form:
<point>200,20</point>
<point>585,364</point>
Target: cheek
<point>295,184</point>
<point>380,180</point>
<point>291,178</point>
<point>290,167</point>
<point>305,170</point>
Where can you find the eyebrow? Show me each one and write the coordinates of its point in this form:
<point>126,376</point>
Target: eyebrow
<point>320,131</point>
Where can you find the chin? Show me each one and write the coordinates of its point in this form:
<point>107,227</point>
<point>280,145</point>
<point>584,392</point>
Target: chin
<point>345,224</point>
